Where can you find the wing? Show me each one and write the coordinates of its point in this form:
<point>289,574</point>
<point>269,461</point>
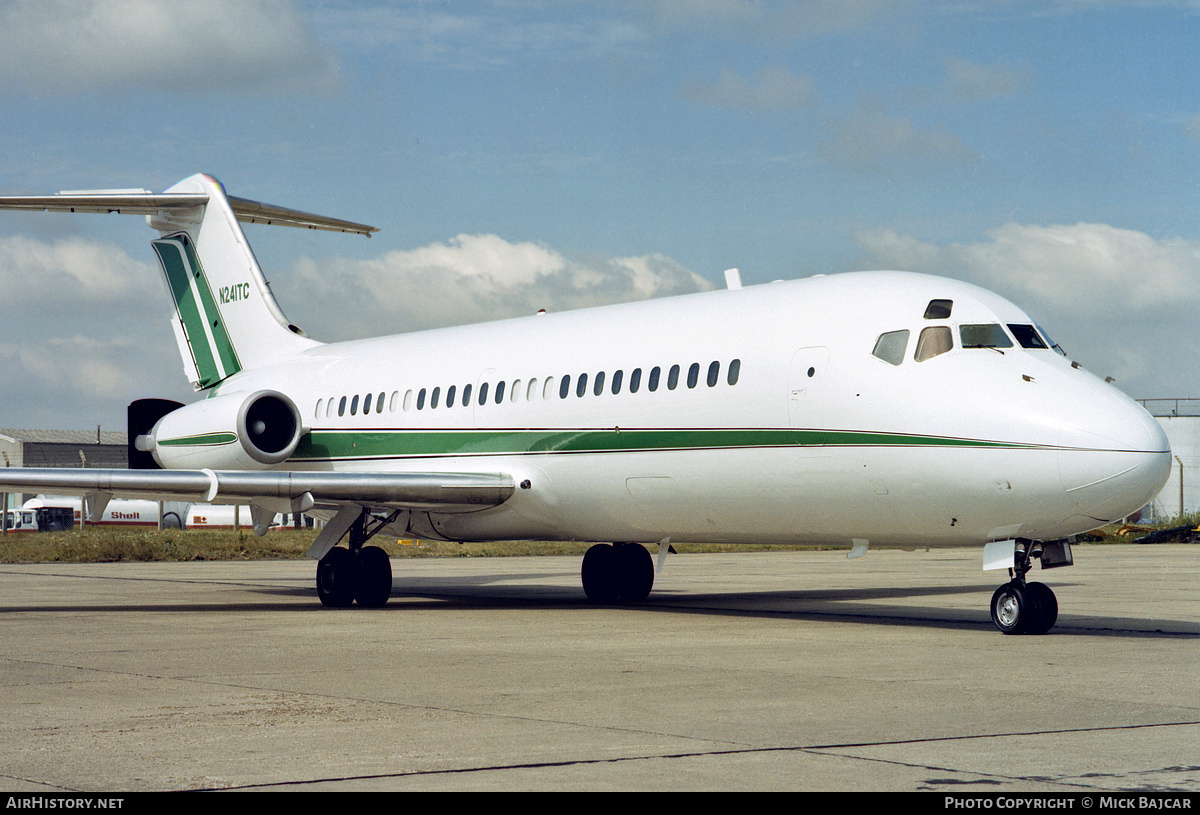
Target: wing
<point>270,491</point>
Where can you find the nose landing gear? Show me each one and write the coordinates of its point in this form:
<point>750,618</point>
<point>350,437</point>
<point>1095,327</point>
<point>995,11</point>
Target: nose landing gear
<point>1019,607</point>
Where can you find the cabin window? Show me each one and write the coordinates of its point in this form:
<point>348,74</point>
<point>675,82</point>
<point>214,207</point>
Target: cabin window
<point>939,309</point>
<point>655,372</point>
<point>616,382</point>
<point>408,399</point>
<point>890,347</point>
<point>329,408</point>
<point>317,412</point>
<point>635,380</point>
<point>565,387</point>
<point>342,406</point>
<point>673,378</point>
<point>933,341</point>
<point>379,403</point>
<point>987,335</point>
<point>514,393</point>
<point>450,395</point>
<point>421,399</point>
<point>500,391</point>
<point>581,385</point>
<point>354,405</point>
<point>548,388</point>
<point>598,388</point>
<point>395,401</point>
<point>531,391</point>
<point>714,373</point>
<point>435,397</point>
<point>735,369</point>
<point>1027,336</point>
<point>483,390</point>
<point>693,374</point>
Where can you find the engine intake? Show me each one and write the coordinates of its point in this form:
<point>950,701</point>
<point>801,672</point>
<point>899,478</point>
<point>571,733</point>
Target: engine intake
<point>230,432</point>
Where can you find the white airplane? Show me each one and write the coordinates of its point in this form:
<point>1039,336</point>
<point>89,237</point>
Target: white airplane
<point>866,409</point>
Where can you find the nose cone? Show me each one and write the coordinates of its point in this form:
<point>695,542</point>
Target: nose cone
<point>1114,457</point>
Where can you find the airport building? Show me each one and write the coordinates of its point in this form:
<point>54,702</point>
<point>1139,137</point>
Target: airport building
<point>1180,420</point>
<point>59,448</point>
<point>63,448</point>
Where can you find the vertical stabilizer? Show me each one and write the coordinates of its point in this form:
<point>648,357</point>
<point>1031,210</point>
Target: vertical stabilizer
<point>226,318</point>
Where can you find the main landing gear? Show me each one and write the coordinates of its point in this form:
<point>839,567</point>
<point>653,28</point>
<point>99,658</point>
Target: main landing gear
<point>1019,607</point>
<point>361,574</point>
<point>622,572</point>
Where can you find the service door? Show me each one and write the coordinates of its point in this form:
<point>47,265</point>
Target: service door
<point>806,388</point>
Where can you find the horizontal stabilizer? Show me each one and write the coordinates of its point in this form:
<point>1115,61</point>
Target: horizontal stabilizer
<point>143,202</point>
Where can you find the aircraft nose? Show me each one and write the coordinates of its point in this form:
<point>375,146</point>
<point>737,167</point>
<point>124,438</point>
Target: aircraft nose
<point>1114,457</point>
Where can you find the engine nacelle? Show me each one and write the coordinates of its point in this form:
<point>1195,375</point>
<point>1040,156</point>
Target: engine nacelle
<point>231,432</point>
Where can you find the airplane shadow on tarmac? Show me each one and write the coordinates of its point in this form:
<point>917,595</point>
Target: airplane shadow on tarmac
<point>522,590</point>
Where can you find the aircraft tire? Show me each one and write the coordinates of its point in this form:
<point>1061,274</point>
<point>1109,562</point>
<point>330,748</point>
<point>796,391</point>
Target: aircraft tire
<point>336,578</point>
<point>1045,605</point>
<point>373,585</point>
<point>1012,608</point>
<point>635,572</point>
<point>599,573</point>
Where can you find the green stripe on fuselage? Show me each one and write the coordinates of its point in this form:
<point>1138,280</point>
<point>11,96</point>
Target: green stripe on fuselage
<point>346,444</point>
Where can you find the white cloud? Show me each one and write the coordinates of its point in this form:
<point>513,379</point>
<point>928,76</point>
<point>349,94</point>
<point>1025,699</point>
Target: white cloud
<point>1120,301</point>
<point>772,19</point>
<point>471,278</point>
<point>80,45</point>
<point>1085,269</point>
<point>83,331</point>
<point>972,81</point>
<point>770,91</point>
<point>72,268</point>
<point>871,139</point>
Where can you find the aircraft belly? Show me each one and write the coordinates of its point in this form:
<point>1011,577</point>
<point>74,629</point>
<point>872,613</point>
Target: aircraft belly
<point>938,496</point>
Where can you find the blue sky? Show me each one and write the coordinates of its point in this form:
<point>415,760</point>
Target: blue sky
<point>523,154</point>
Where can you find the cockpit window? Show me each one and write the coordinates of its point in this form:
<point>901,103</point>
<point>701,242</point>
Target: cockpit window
<point>890,347</point>
<point>934,340</point>
<point>988,335</point>
<point>1026,335</point>
<point>939,309</point>
<point>1051,342</point>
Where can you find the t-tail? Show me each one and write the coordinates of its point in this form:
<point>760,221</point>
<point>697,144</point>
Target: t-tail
<point>226,318</point>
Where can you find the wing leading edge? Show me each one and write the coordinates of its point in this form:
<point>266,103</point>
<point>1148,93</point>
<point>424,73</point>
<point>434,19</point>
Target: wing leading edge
<point>272,490</point>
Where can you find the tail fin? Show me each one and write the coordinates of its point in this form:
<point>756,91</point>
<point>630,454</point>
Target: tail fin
<point>226,318</point>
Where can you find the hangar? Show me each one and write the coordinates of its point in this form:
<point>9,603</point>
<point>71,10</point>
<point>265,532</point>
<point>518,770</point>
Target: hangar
<point>1180,420</point>
<point>59,448</point>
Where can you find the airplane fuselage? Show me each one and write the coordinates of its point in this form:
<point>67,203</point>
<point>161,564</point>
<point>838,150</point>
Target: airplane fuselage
<point>763,414</point>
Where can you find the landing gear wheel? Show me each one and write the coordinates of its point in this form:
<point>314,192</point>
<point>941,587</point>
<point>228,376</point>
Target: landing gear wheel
<point>635,572</point>
<point>599,573</point>
<point>374,583</point>
<point>1012,608</point>
<point>1045,606</point>
<point>336,578</point>
<point>624,572</point>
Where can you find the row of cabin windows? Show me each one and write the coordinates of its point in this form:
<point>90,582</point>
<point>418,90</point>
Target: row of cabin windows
<point>580,386</point>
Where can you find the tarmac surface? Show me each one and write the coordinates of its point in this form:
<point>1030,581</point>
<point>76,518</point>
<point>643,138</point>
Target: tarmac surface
<point>748,671</point>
